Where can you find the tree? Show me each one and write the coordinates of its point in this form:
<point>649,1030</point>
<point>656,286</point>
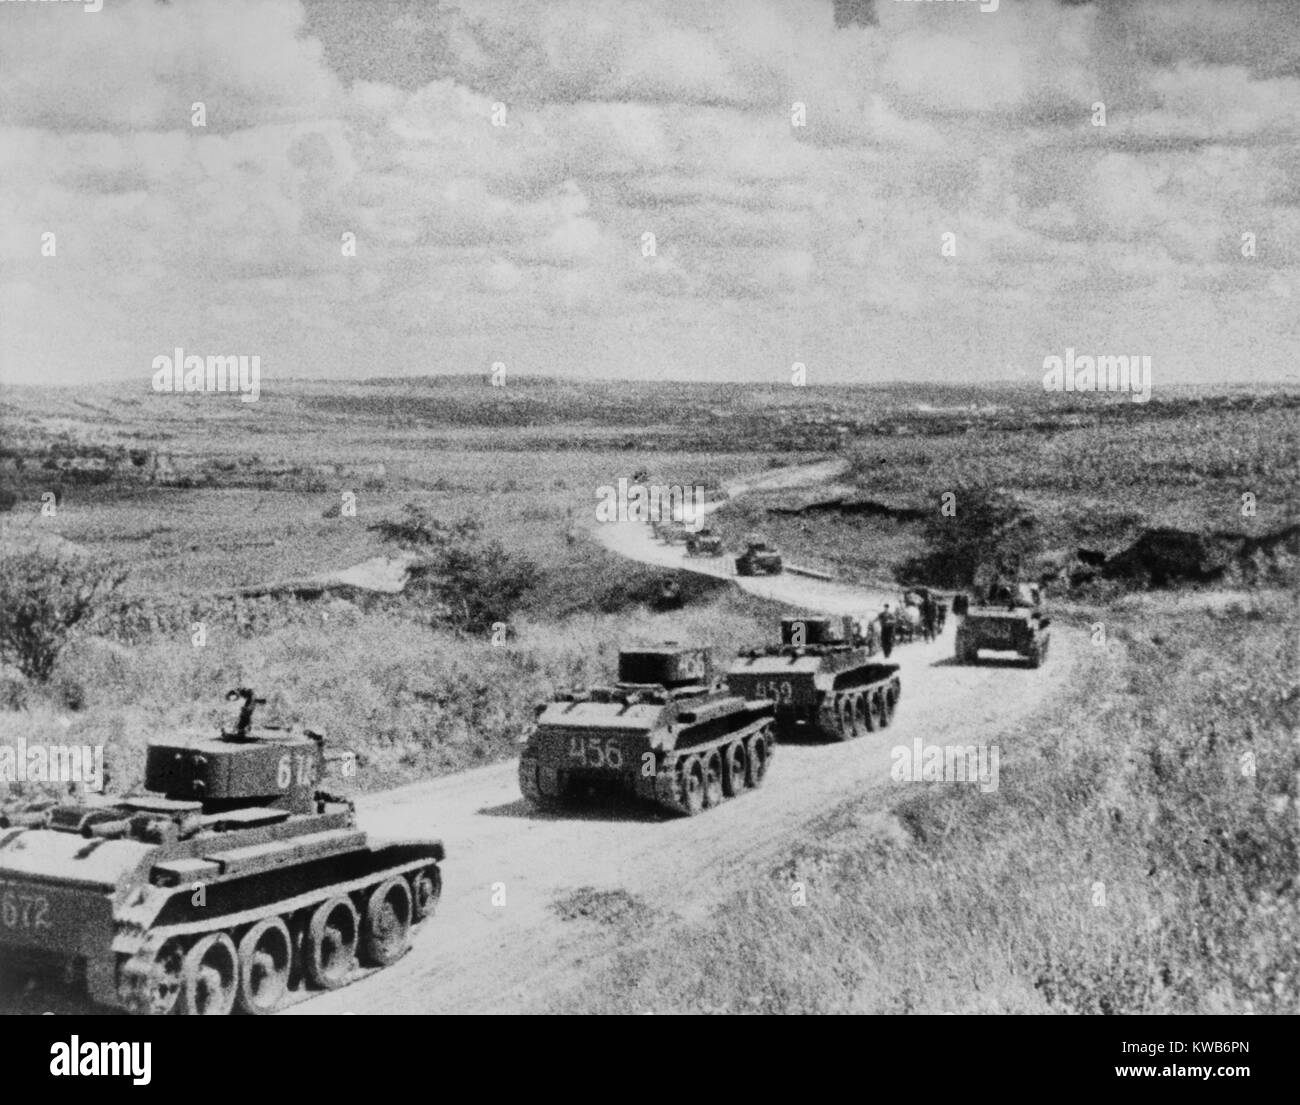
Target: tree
<point>44,596</point>
<point>988,531</point>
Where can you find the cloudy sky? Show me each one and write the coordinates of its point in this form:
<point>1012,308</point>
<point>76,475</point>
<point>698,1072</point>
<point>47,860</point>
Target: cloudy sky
<point>774,243</point>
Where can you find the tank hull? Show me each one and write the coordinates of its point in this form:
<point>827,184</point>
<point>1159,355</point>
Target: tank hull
<point>114,917</point>
<point>682,758</point>
<point>1002,630</point>
<point>820,694</point>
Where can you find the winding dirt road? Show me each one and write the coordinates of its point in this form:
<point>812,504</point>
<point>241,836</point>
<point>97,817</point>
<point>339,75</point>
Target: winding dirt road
<point>497,943</point>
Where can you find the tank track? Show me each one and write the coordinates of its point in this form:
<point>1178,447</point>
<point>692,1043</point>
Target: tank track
<point>853,711</point>
<point>156,979</point>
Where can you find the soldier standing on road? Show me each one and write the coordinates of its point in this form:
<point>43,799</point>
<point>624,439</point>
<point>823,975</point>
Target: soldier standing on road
<point>929,616</point>
<point>886,631</point>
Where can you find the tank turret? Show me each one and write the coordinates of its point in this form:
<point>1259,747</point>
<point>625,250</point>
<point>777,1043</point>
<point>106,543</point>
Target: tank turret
<point>669,666</point>
<point>809,631</point>
<point>271,767</point>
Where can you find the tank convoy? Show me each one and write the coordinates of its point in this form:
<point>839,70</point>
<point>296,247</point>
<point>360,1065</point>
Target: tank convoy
<point>667,731</point>
<point>1004,617</point>
<point>229,883</point>
<point>822,679</point>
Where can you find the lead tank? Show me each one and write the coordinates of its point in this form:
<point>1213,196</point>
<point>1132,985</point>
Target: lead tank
<point>232,882</point>
<point>822,679</point>
<point>667,732</point>
<point>1005,618</point>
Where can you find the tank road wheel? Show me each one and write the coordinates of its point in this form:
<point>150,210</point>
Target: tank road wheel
<point>210,977</point>
<point>265,957</point>
<point>329,947</point>
<point>756,749</point>
<point>426,889</point>
<point>861,708</point>
<point>887,705</point>
<point>161,987</point>
<point>388,923</point>
<point>712,779</point>
<point>692,786</point>
<point>843,719</point>
<point>733,768</point>
<point>875,711</point>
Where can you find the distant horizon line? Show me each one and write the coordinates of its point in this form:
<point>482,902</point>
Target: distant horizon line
<point>484,374</point>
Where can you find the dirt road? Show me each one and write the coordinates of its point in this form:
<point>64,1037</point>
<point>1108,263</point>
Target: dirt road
<point>498,945</point>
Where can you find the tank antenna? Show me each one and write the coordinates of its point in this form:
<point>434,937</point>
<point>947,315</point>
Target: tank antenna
<point>246,710</point>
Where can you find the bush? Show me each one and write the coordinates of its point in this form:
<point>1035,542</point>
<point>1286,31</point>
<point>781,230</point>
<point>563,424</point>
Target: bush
<point>474,583</point>
<point>481,583</point>
<point>44,595</point>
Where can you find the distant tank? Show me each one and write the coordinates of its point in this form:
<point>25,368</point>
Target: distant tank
<point>822,679</point>
<point>704,543</point>
<point>759,559</point>
<point>1004,618</point>
<point>231,883</point>
<point>672,533</point>
<point>667,732</point>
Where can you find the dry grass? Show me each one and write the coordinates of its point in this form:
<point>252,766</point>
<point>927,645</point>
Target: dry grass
<point>413,701</point>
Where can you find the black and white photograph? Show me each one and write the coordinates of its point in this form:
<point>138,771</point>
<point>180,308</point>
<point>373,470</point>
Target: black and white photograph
<point>651,507</point>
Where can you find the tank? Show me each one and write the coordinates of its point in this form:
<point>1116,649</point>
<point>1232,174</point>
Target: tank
<point>1005,618</point>
<point>667,732</point>
<point>822,679</point>
<point>704,543</point>
<point>672,533</point>
<point>759,559</point>
<point>231,882</point>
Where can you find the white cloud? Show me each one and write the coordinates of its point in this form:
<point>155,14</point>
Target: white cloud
<point>625,117</point>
